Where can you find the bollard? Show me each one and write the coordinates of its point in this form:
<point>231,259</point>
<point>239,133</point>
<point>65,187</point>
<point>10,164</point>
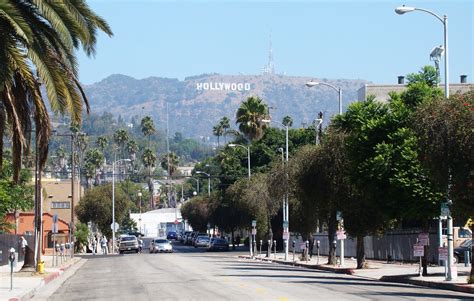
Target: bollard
<point>317,249</point>
<point>11,257</point>
<point>275,248</point>
<point>294,250</point>
<point>261,242</point>
<point>269,248</point>
<point>307,250</point>
<point>255,247</point>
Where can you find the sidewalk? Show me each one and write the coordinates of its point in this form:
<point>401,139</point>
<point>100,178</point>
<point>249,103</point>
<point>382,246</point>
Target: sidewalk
<point>382,271</point>
<point>25,284</point>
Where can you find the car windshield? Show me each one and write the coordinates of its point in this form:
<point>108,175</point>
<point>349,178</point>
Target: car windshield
<point>128,238</point>
<point>467,244</point>
<point>161,241</point>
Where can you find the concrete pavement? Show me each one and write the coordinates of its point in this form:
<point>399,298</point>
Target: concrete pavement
<point>383,271</point>
<point>193,274</point>
<point>26,284</point>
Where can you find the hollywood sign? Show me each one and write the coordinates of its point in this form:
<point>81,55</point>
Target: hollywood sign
<point>223,86</point>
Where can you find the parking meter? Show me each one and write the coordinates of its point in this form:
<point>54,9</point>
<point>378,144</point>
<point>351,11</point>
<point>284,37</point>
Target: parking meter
<point>275,247</point>
<point>261,242</point>
<point>318,245</point>
<point>294,250</point>
<point>11,257</point>
<point>269,250</point>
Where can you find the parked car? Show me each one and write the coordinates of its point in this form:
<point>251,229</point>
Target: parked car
<point>160,245</point>
<point>198,235</point>
<point>460,251</point>
<point>201,241</point>
<point>128,243</point>
<point>172,235</point>
<point>218,244</point>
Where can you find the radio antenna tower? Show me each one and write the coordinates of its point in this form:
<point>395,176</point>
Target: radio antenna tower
<point>270,67</point>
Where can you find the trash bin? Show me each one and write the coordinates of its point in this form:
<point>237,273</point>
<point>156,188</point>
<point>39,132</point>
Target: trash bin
<point>41,267</point>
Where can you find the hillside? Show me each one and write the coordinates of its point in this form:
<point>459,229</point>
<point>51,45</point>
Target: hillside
<point>197,103</point>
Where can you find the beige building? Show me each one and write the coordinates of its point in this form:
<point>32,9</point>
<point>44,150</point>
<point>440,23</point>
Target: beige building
<point>57,197</point>
<point>381,92</point>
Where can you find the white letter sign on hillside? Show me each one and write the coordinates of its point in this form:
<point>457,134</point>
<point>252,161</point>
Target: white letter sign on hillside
<point>215,86</point>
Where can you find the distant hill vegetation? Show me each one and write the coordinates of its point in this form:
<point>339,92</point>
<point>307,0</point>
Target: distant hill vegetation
<point>197,103</point>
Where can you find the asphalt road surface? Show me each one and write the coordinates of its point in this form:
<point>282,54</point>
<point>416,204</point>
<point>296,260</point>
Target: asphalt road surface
<point>193,274</point>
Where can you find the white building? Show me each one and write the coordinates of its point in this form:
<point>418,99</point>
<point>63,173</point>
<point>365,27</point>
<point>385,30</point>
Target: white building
<point>157,223</point>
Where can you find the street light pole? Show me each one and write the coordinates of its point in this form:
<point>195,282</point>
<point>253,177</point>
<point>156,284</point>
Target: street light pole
<point>140,207</point>
<point>248,155</point>
<point>338,90</point>
<point>113,201</point>
<point>208,182</point>
<point>286,207</point>
<point>406,9</point>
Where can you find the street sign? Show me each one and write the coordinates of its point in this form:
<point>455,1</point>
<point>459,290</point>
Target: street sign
<point>341,234</point>
<point>443,253</point>
<point>418,250</point>
<point>286,235</point>
<point>54,229</point>
<point>116,226</point>
<point>254,223</point>
<point>423,239</point>
<point>445,212</point>
<point>254,231</point>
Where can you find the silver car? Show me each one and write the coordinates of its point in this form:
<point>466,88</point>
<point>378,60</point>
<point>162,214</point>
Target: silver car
<point>161,245</point>
<point>202,241</point>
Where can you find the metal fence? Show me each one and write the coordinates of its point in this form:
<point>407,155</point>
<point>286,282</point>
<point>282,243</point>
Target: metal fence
<point>397,245</point>
<point>8,241</point>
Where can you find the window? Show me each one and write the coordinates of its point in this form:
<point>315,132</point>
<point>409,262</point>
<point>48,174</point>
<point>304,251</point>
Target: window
<point>60,205</point>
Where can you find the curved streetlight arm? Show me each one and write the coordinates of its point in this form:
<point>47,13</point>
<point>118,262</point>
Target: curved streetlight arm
<point>338,90</point>
<point>248,154</point>
<point>424,10</point>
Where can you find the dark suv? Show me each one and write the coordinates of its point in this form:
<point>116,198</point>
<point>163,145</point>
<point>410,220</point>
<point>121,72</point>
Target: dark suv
<point>172,235</point>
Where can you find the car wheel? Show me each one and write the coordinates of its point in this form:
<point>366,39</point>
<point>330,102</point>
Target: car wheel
<point>456,259</point>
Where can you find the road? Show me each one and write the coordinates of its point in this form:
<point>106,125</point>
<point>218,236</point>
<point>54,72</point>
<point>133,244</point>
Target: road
<point>193,274</point>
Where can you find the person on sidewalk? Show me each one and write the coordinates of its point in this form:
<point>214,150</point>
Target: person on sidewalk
<point>94,245</point>
<point>23,244</point>
<point>103,244</point>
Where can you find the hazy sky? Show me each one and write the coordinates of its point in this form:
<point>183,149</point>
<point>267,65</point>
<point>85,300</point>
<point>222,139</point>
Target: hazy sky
<point>328,39</point>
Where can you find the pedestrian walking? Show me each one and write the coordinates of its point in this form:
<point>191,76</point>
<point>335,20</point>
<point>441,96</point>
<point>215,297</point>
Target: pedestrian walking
<point>94,245</point>
<point>23,245</point>
<point>140,245</point>
<point>103,244</point>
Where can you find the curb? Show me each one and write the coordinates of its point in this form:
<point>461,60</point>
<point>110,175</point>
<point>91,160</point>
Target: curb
<point>47,279</point>
<point>346,271</point>
<point>463,288</point>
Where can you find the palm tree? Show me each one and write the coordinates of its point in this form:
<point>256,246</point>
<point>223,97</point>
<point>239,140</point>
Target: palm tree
<point>287,121</point>
<point>102,142</point>
<point>225,124</point>
<point>148,127</point>
<point>149,161</point>
<point>94,161</point>
<point>249,117</point>
<point>170,163</point>
<point>121,138</point>
<point>132,148</point>
<point>41,37</point>
<point>218,131</point>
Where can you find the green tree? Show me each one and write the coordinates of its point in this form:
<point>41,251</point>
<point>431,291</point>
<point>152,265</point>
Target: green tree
<point>287,121</point>
<point>121,138</point>
<point>149,161</point>
<point>249,117</point>
<point>147,127</point>
<point>96,207</point>
<point>41,38</point>
<point>102,142</point>
<point>170,163</point>
<point>94,160</point>
<point>197,212</point>
<point>218,131</point>
<point>81,233</point>
<point>225,124</point>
